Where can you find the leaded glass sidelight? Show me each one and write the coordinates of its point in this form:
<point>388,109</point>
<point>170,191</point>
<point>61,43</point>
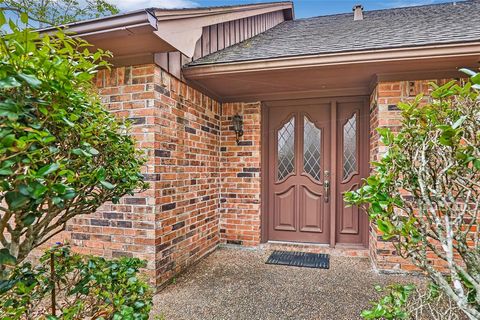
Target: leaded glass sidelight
<point>350,146</point>
<point>312,146</point>
<point>286,149</point>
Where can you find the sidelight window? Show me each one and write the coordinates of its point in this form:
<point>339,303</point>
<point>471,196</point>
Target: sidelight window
<point>312,145</point>
<point>350,146</point>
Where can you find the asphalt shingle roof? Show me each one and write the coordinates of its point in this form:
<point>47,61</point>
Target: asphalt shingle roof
<point>380,29</point>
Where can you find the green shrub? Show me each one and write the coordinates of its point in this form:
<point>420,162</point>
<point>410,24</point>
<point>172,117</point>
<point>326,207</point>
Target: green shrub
<point>62,153</point>
<point>59,12</point>
<point>413,302</point>
<point>86,287</point>
<point>424,195</point>
<point>392,305</point>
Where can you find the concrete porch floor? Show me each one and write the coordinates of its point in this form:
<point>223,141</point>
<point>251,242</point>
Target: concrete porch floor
<point>237,284</point>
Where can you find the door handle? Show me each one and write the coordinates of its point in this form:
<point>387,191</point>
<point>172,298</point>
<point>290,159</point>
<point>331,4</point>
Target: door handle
<point>326,185</point>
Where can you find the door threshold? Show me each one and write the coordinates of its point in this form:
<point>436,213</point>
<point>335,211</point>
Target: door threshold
<point>294,243</point>
<point>341,250</point>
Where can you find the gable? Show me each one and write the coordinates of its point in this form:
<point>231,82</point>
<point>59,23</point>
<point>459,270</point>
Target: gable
<point>222,35</point>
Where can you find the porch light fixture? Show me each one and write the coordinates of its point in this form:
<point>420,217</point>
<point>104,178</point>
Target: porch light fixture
<point>238,126</point>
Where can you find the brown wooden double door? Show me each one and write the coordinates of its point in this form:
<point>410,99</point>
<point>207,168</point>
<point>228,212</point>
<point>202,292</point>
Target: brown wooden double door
<point>317,150</point>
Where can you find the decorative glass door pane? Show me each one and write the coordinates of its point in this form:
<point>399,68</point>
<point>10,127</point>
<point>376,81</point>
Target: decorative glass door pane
<point>350,146</point>
<point>286,149</point>
<point>312,146</point>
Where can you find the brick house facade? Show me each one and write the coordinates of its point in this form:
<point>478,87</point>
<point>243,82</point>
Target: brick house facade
<point>208,190</point>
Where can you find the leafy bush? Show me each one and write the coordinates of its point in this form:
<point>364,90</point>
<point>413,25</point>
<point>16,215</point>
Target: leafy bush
<point>86,287</point>
<point>412,302</point>
<point>61,153</point>
<point>425,193</point>
<point>59,12</point>
<point>392,305</point>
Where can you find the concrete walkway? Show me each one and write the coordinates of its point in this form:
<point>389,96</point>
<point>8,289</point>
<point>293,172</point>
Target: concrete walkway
<point>237,284</point>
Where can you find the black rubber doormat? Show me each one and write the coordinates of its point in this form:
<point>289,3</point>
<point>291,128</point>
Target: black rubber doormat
<point>300,259</point>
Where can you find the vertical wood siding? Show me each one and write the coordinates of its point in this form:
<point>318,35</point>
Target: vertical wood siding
<point>219,36</point>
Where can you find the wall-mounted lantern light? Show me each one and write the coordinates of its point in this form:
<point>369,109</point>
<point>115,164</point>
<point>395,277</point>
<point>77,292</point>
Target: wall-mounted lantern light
<point>238,126</point>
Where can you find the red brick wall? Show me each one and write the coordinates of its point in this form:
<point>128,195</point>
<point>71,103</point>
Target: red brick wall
<point>240,176</point>
<point>176,221</point>
<point>385,114</point>
<point>187,160</point>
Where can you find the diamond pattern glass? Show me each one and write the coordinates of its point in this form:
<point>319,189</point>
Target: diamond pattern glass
<point>286,149</point>
<point>312,144</point>
<point>350,146</point>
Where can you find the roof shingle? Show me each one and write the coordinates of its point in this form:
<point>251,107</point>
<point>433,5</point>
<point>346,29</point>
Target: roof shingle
<point>380,29</point>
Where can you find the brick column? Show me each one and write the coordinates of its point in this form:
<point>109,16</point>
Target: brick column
<point>187,138</point>
<point>240,176</point>
<point>385,114</point>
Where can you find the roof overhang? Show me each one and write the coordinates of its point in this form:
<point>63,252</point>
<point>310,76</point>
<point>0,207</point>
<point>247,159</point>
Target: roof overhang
<point>130,37</point>
<point>336,74</point>
<point>135,37</point>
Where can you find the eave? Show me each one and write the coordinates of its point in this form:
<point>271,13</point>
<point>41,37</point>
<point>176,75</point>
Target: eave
<point>342,58</point>
<point>130,37</point>
<point>346,73</point>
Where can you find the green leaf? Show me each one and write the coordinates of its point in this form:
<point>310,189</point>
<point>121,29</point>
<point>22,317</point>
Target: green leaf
<point>71,124</point>
<point>77,151</point>
<point>15,200</point>
<point>24,17</point>
<point>459,122</point>
<point>468,71</point>
<point>59,188</point>
<point>6,258</point>
<point>30,79</point>
<point>9,82</point>
<point>29,219</point>
<point>43,110</point>
<point>69,195</point>
<point>25,190</point>
<point>107,185</point>
<point>101,174</point>
<point>43,171</point>
<point>386,134</point>
<point>8,140</point>
<point>6,171</point>
<point>12,25</point>
<point>476,164</point>
<point>74,117</point>
<point>8,105</point>
<point>373,181</point>
<point>367,314</point>
<point>2,18</point>
<point>476,78</point>
<point>39,190</point>
<point>386,228</point>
